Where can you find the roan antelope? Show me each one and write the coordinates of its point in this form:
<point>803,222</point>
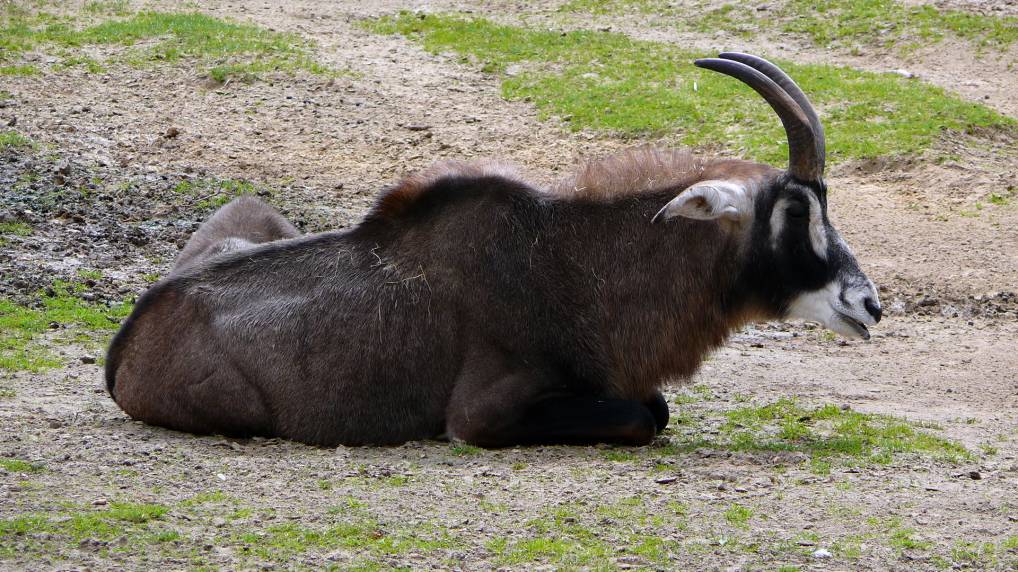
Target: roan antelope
<point>473,304</point>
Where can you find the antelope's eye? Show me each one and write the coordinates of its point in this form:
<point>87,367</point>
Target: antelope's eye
<point>797,210</point>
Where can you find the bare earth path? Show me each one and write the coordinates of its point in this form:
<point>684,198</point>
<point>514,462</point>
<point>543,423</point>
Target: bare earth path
<point>946,354</point>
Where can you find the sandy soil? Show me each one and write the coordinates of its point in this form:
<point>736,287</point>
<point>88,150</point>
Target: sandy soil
<point>947,352</point>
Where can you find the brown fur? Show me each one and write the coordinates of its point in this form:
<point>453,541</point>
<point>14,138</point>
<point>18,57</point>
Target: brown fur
<point>397,200</point>
<point>467,302</point>
<point>632,172</point>
<point>647,168</point>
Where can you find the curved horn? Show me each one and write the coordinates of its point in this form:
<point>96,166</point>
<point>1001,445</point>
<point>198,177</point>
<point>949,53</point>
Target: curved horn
<point>782,79</point>
<point>803,163</point>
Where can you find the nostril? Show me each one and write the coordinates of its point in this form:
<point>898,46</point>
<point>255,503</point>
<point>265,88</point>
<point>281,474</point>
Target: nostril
<point>873,307</point>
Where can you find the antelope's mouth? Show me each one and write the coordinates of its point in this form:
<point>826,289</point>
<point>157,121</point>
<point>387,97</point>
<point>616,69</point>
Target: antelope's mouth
<point>855,325</point>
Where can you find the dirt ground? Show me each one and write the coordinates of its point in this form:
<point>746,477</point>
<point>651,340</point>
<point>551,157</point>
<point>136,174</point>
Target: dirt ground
<point>945,354</point>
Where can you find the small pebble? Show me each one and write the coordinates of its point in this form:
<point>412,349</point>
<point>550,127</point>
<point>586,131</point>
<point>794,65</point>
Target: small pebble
<point>822,553</point>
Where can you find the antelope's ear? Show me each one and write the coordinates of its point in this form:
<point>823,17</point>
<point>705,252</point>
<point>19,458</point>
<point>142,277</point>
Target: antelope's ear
<point>709,200</point>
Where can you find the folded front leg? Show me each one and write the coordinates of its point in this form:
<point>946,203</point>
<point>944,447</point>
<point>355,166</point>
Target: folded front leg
<point>528,408</point>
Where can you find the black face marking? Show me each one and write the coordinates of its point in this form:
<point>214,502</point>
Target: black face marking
<point>782,260</point>
<point>797,264</point>
<point>797,209</point>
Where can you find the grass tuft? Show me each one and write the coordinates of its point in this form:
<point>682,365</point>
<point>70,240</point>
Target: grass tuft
<point>108,7</point>
<point>22,70</point>
<point>284,541</point>
<point>19,534</point>
<point>738,515</point>
<point>211,194</point>
<point>610,82</point>
<point>11,139</point>
<point>18,466</point>
<point>464,450</point>
<point>15,229</point>
<point>828,435</point>
<point>831,433</point>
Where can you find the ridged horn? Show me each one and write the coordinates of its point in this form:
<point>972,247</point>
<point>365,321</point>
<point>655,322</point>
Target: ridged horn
<point>782,79</point>
<point>803,163</point>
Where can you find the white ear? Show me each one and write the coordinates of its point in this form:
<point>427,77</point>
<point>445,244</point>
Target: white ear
<point>709,200</point>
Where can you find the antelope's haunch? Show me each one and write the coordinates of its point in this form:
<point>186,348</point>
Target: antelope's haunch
<point>471,303</point>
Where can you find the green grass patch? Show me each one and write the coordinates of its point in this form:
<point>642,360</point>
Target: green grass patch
<point>222,48</point>
<point>464,450</point>
<point>571,536</point>
<point>832,434</point>
<point>738,515</point>
<point>90,274</point>
<point>626,509</point>
<point>15,229</point>
<point>562,552</point>
<point>21,326</point>
<point>11,139</point>
<point>974,553</point>
<point>22,70</point>
<point>889,23</point>
<point>209,497</point>
<point>620,455</point>
<point>213,193</point>
<point>90,64</point>
<point>283,542</point>
<point>829,436</point>
<point>693,394</point>
<point>41,533</point>
<point>905,539</point>
<point>18,466</point>
<point>108,7</point>
<point>841,23</point>
<point>610,82</point>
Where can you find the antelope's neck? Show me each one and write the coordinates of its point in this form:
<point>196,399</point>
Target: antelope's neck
<point>664,294</point>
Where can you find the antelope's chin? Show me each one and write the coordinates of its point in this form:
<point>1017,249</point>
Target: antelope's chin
<point>827,307</point>
<point>848,327</point>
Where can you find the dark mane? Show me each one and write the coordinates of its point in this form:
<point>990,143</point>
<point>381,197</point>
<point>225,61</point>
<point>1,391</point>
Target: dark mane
<point>397,201</point>
<point>642,169</point>
<point>625,174</point>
